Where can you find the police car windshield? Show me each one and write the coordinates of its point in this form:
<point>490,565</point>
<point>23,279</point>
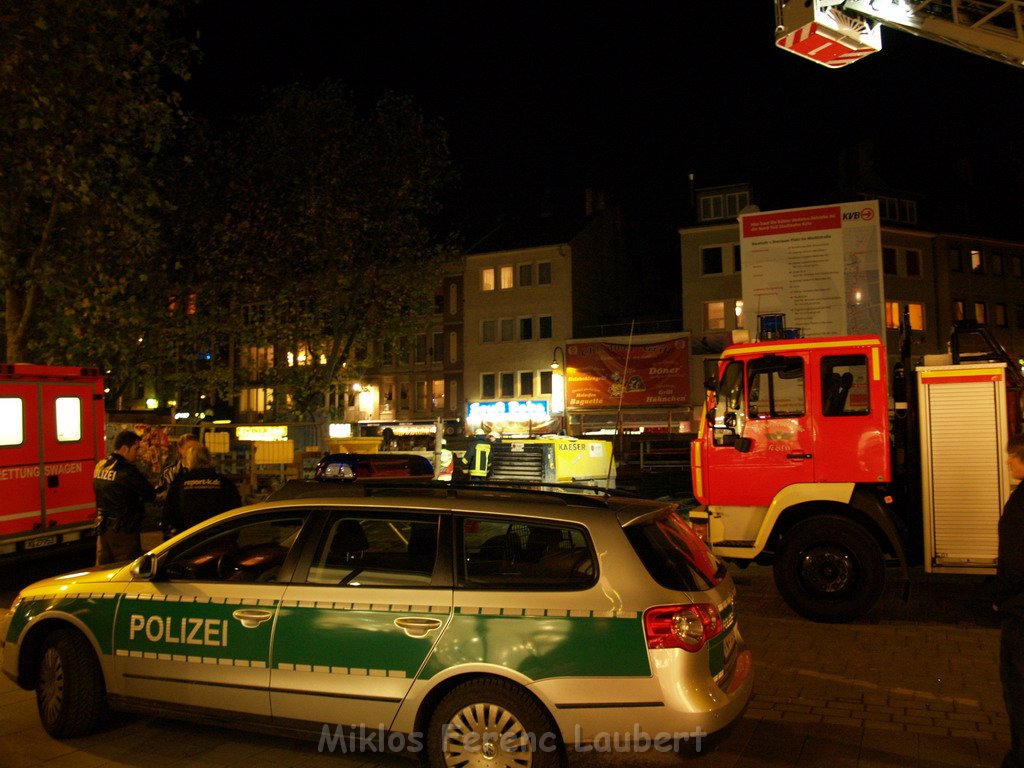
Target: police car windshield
<point>674,555</point>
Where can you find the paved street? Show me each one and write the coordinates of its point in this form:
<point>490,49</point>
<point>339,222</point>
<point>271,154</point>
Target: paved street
<point>915,684</point>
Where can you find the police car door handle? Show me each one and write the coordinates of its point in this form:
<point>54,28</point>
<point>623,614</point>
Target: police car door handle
<point>252,617</point>
<point>417,626</point>
<point>799,455</point>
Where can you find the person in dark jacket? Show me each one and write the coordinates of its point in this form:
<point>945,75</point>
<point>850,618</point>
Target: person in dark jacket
<point>1009,601</point>
<point>199,492</point>
<point>184,442</point>
<point>121,495</point>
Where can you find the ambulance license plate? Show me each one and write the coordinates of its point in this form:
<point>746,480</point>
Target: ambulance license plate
<point>42,541</point>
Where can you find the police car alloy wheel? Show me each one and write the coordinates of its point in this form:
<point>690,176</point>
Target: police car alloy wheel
<point>491,722</point>
<point>69,692</point>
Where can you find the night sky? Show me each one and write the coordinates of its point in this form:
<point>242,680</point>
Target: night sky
<point>629,97</point>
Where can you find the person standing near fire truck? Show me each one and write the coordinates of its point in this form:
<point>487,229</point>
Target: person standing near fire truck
<point>121,495</point>
<point>1009,601</point>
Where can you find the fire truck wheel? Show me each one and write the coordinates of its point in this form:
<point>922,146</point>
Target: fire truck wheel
<point>829,569</point>
<point>70,693</point>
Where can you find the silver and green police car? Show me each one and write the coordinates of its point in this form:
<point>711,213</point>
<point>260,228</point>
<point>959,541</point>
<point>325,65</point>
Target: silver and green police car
<point>461,622</point>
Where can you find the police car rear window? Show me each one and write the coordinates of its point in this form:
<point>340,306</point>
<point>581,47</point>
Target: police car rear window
<point>673,554</point>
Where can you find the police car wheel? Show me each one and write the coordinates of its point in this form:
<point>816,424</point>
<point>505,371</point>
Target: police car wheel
<point>69,692</point>
<point>492,723</point>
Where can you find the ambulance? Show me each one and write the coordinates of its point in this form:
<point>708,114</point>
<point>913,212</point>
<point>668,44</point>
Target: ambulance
<point>51,435</point>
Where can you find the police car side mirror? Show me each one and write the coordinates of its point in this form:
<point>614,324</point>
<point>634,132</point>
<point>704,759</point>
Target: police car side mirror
<point>146,567</point>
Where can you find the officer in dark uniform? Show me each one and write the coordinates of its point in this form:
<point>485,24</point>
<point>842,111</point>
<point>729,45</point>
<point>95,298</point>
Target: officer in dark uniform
<point>121,495</point>
<point>198,492</point>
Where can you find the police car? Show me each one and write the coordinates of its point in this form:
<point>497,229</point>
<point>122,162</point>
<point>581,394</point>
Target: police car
<point>468,622</point>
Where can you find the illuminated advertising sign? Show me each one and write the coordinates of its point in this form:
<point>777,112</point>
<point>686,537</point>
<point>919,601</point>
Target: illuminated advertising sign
<point>605,374</point>
<point>508,410</point>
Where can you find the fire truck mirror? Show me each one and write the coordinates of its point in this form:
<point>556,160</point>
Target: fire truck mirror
<point>743,444</point>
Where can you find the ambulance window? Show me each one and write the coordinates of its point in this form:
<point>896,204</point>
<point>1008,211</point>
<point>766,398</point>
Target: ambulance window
<point>69,419</point>
<point>12,421</point>
<point>776,387</point>
<point>844,385</point>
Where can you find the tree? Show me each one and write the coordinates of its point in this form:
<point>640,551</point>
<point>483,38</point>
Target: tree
<point>326,238</point>
<point>83,117</point>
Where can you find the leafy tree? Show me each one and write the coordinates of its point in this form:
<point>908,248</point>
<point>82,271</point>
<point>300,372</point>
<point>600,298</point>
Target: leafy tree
<point>326,236</point>
<point>83,117</point>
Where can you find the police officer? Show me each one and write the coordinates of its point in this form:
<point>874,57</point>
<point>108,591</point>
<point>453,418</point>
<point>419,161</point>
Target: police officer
<point>185,441</point>
<point>121,494</point>
<point>198,492</point>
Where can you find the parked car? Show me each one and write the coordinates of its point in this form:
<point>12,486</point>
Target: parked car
<point>460,621</point>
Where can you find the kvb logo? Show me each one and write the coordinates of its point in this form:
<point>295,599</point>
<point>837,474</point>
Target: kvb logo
<point>865,214</point>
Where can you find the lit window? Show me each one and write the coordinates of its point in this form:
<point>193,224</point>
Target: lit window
<point>977,265</point>
<point>69,419</point>
<point>438,394</point>
<point>893,311</point>
<point>487,279</point>
<point>714,316</point>
<point>959,309</point>
<point>421,396</point>
<point>506,278</point>
<point>980,312</point>
<point>12,425</point>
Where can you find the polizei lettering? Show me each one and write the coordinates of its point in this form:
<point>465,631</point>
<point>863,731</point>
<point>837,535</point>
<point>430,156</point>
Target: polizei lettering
<point>185,630</point>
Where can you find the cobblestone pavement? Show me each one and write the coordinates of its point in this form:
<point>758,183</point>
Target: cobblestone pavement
<point>913,684</point>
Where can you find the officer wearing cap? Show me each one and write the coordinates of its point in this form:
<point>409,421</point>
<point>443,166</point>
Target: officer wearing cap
<point>121,495</point>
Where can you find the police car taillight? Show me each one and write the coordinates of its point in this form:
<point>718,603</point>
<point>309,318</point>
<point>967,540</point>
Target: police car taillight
<point>681,626</point>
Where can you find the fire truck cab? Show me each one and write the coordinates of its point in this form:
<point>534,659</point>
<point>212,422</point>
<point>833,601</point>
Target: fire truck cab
<point>51,435</point>
<point>803,462</point>
<point>794,433</point>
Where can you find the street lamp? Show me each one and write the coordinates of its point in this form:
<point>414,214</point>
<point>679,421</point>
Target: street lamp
<point>565,387</point>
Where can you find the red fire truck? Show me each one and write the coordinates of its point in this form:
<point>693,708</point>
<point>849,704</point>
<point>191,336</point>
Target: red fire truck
<point>51,435</point>
<point>801,462</point>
